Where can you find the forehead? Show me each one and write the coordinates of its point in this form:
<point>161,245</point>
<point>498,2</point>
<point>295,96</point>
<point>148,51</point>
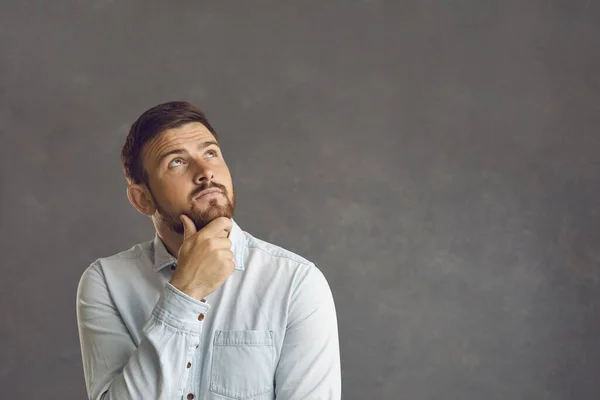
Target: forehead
<point>181,137</point>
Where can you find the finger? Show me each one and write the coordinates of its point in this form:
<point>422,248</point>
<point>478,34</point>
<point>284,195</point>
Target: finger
<point>189,228</point>
<point>227,254</point>
<point>222,234</point>
<point>215,227</point>
<point>221,243</point>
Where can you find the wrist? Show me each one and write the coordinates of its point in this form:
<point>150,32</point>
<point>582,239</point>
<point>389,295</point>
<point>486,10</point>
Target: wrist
<point>193,291</point>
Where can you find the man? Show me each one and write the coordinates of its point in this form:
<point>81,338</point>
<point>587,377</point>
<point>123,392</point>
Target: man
<point>205,310</point>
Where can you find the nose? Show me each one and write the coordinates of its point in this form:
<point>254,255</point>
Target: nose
<point>203,173</point>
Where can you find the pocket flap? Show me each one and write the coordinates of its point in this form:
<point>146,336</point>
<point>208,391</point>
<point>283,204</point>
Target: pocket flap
<point>244,338</point>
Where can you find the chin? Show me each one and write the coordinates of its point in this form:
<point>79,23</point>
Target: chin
<point>213,211</point>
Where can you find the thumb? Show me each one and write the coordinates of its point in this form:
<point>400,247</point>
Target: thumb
<point>188,226</point>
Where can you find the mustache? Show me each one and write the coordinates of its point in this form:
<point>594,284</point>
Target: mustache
<point>211,185</point>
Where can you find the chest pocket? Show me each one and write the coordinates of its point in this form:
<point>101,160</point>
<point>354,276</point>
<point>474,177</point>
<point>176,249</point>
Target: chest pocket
<point>243,364</point>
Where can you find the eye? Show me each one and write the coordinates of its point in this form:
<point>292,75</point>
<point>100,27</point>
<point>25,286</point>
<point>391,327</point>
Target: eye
<point>175,162</point>
<point>214,153</point>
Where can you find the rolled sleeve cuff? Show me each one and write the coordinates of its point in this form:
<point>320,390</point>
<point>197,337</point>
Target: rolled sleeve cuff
<point>179,310</point>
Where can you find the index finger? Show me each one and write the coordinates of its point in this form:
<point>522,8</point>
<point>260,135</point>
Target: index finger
<point>216,226</point>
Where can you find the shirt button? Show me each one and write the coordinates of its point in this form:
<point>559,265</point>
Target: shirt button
<point>203,300</point>
<point>190,396</point>
<point>201,317</point>
<point>188,365</point>
<point>172,268</point>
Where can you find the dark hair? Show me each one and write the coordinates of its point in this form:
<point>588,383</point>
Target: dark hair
<point>151,124</point>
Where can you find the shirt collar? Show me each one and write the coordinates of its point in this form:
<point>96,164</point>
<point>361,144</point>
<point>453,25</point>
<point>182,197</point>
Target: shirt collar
<point>162,258</point>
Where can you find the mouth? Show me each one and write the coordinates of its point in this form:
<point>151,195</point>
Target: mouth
<point>208,193</point>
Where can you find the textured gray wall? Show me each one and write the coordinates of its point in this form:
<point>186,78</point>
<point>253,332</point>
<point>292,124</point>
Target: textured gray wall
<point>438,160</point>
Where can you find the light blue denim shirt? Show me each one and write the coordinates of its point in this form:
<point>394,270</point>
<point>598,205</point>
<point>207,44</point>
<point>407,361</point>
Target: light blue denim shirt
<point>270,331</point>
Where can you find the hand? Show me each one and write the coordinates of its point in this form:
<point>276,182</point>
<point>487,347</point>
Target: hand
<point>205,259</point>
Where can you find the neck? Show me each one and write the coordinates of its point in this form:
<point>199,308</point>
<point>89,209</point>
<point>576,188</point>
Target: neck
<point>172,240</point>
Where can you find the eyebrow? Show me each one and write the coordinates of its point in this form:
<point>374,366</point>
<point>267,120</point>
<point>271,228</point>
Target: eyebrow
<point>181,151</point>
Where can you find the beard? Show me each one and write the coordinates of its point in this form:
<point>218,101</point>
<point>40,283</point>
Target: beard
<point>200,216</point>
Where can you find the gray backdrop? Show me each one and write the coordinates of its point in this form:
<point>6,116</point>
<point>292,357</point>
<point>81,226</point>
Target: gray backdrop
<point>438,160</point>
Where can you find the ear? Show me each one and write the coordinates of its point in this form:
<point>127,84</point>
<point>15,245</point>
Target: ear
<point>139,197</point>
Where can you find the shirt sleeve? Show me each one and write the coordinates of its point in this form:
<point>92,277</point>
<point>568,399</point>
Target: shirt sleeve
<point>114,367</point>
<point>309,365</point>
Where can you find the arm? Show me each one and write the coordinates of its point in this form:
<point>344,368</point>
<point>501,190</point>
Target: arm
<point>113,367</point>
<point>309,365</point>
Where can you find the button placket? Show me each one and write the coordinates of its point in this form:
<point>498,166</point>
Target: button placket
<point>191,359</point>
<point>192,352</point>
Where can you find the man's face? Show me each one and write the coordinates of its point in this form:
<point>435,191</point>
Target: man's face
<point>182,163</point>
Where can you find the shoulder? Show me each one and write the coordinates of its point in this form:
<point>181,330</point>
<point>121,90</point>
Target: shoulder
<point>115,272</point>
<point>274,252</point>
<point>122,259</point>
<point>276,262</point>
